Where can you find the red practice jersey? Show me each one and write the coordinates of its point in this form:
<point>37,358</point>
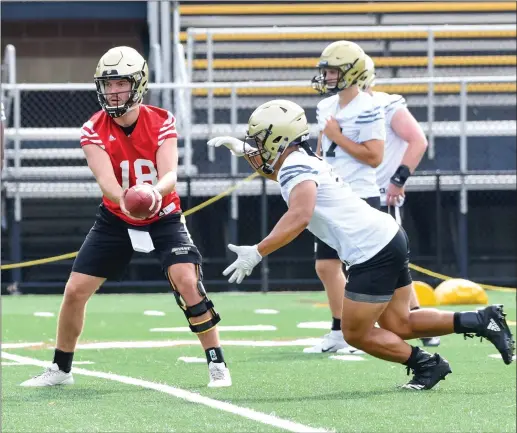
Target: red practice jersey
<point>133,157</point>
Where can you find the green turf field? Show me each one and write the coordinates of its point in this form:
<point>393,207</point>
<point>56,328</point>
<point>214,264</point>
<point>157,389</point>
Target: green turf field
<point>148,389</point>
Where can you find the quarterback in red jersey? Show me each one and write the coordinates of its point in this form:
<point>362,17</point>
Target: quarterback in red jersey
<point>133,156</point>
<point>128,143</point>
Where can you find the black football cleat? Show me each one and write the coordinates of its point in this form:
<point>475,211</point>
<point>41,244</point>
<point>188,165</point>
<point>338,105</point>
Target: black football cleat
<point>495,329</point>
<point>428,373</point>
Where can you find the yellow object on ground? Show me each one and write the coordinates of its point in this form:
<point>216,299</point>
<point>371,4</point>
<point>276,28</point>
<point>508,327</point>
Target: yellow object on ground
<point>458,291</point>
<point>425,294</point>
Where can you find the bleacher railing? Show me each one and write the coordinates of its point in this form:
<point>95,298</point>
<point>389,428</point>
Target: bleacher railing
<point>191,132</point>
<point>431,32</point>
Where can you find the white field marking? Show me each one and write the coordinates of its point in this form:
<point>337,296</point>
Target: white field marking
<point>266,311</point>
<point>314,325</point>
<point>498,356</point>
<point>192,359</point>
<point>174,343</point>
<point>43,314</point>
<point>347,358</point>
<point>220,328</point>
<point>319,325</point>
<point>75,363</point>
<point>20,345</point>
<point>153,313</point>
<point>182,394</point>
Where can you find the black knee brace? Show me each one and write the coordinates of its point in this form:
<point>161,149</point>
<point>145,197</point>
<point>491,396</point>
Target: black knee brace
<point>192,311</point>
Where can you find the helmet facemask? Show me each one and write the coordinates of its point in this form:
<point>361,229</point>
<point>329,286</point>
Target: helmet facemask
<point>259,158</point>
<point>135,97</point>
<point>321,85</point>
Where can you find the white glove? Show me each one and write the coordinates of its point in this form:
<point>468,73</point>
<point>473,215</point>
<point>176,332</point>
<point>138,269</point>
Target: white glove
<point>247,258</point>
<point>236,146</point>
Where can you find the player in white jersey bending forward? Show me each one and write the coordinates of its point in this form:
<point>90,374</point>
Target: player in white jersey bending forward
<point>372,245</point>
<point>351,139</point>
<point>404,148</point>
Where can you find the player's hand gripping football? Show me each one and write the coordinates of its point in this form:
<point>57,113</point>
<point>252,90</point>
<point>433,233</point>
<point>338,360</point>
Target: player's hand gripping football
<point>236,146</point>
<point>157,205</point>
<point>122,205</point>
<point>156,202</point>
<point>247,258</point>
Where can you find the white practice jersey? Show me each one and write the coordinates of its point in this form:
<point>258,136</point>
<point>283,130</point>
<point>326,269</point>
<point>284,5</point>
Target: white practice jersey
<point>361,120</point>
<point>341,219</point>
<point>394,146</point>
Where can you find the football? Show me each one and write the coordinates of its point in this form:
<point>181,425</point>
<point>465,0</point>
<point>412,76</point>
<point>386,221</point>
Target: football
<point>140,201</point>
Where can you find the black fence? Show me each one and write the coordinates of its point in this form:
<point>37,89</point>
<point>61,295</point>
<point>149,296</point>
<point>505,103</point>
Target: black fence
<point>479,245</point>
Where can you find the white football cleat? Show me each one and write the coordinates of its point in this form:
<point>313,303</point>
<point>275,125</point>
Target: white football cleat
<point>349,350</point>
<point>219,375</point>
<point>50,377</point>
<point>331,342</point>
<point>430,341</point>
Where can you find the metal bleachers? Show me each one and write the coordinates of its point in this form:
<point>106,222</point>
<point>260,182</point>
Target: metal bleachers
<point>399,52</point>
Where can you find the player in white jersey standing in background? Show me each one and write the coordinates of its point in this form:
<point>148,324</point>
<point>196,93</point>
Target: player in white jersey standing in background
<point>404,148</point>
<point>351,139</point>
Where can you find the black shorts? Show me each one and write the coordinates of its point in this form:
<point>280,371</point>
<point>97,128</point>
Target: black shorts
<point>394,211</point>
<point>376,280</point>
<point>107,249</point>
<point>323,252</point>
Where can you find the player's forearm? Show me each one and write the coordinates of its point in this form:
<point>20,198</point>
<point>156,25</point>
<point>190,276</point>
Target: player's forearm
<point>414,153</point>
<point>110,188</point>
<point>285,231</point>
<point>359,151</point>
<point>167,183</point>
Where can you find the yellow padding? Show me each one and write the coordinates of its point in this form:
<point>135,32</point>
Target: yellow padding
<point>311,62</point>
<point>332,36</point>
<point>344,8</point>
<point>425,294</point>
<point>458,291</point>
<point>389,88</point>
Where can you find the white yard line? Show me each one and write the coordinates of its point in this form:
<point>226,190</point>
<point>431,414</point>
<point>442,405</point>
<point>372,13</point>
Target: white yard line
<point>315,325</point>
<point>174,343</point>
<point>180,393</point>
<point>170,343</point>
<point>347,358</point>
<point>6,364</point>
<point>498,356</point>
<point>220,328</point>
<point>153,313</point>
<point>20,345</point>
<point>192,359</point>
<point>266,311</point>
<point>43,314</point>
